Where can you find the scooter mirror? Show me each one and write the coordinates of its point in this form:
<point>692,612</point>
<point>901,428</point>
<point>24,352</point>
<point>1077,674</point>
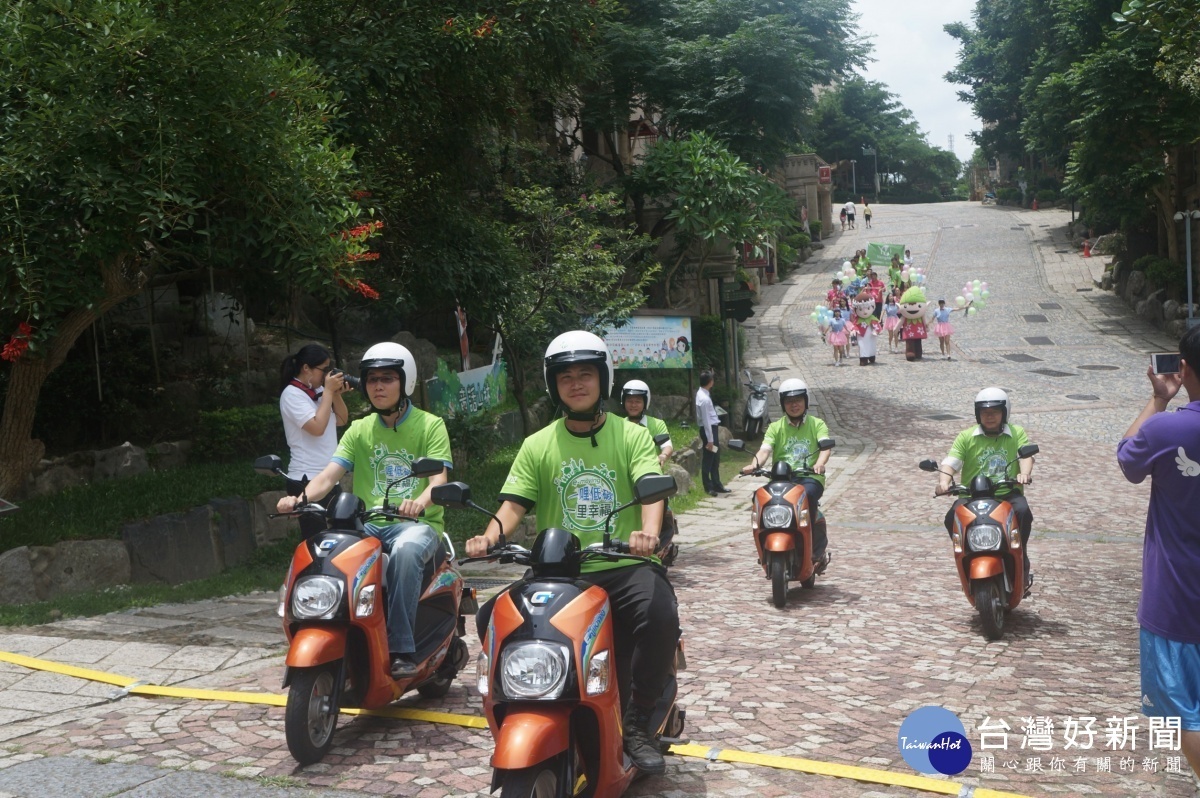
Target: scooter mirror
<point>652,488</point>
<point>737,445</point>
<point>659,440</point>
<point>269,465</point>
<point>427,467</point>
<point>826,444</point>
<point>452,494</point>
<point>928,465</point>
<point>1028,450</point>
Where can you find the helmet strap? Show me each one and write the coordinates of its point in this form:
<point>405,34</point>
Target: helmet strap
<point>594,416</point>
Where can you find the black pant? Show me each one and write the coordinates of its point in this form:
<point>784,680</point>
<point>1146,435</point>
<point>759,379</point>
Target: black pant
<point>1020,506</point>
<point>710,462</point>
<point>311,523</point>
<point>645,623</point>
<point>814,490</point>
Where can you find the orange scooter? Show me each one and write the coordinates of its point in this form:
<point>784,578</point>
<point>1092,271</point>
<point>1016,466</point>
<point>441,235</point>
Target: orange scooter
<point>987,546</point>
<point>334,606</point>
<point>548,672</point>
<point>782,527</point>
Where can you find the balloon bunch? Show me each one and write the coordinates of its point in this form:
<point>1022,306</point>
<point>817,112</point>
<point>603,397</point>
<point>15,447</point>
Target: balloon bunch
<point>822,316</point>
<point>974,297</point>
<point>913,276</point>
<point>846,273</point>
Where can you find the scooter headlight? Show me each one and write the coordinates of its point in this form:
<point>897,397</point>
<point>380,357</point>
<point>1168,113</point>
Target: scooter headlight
<point>316,597</point>
<point>534,669</point>
<point>984,537</point>
<point>777,516</point>
<point>598,671</point>
<point>366,602</point>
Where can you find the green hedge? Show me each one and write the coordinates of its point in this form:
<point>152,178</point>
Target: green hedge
<point>1047,195</point>
<point>1162,272</point>
<point>239,434</point>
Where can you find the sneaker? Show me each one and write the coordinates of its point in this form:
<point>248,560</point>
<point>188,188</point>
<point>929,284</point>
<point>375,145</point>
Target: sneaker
<point>403,666</point>
<point>822,562</point>
<point>640,744</point>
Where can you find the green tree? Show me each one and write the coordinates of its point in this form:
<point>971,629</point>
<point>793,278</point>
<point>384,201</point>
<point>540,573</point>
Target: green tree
<point>564,263</point>
<point>710,199</point>
<point>140,140</point>
<point>1177,22</point>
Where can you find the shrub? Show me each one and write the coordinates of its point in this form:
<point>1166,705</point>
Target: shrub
<point>1008,194</point>
<point>814,227</point>
<point>240,433</point>
<point>1163,272</point>
<point>472,437</point>
<point>1047,195</point>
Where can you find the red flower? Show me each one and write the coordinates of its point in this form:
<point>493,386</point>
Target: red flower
<point>357,256</point>
<point>14,349</point>
<point>24,330</point>
<point>366,290</point>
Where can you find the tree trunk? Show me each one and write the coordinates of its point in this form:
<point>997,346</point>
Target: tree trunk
<point>19,452</point>
<point>518,378</point>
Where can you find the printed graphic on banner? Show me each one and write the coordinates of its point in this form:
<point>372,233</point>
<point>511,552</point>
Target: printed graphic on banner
<point>464,393</point>
<point>881,254</point>
<point>933,740</point>
<point>651,342</point>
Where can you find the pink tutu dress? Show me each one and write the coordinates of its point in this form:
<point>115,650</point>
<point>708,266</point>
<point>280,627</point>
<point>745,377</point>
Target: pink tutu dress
<point>892,320</point>
<point>941,326</point>
<point>837,333</point>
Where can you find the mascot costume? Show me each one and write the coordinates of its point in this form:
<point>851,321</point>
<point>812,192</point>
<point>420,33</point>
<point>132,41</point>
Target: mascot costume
<point>867,327</point>
<point>913,309</point>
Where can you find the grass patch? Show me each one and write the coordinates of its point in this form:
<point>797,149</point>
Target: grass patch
<point>97,511</point>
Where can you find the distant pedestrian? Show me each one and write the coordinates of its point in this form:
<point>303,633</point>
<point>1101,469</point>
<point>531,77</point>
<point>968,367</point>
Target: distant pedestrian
<point>942,328</point>
<point>707,421</point>
<point>867,214</point>
<point>843,218</point>
<point>838,337</point>
<point>849,206</point>
<point>1166,447</point>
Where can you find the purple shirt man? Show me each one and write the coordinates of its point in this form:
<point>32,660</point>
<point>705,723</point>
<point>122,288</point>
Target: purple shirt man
<point>1167,449</point>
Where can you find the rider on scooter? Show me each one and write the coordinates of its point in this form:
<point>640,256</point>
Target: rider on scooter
<point>986,449</point>
<point>635,399</point>
<point>575,471</point>
<point>380,450</point>
<point>796,437</point>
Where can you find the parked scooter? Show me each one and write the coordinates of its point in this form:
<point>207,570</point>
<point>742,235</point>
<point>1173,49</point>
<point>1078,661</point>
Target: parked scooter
<point>756,416</point>
<point>334,608</point>
<point>987,546</point>
<point>668,549</point>
<point>548,670</point>
<point>783,528</point>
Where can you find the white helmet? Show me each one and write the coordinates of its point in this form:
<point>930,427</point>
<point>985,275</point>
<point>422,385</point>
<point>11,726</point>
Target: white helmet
<point>577,346</point>
<point>636,388</point>
<point>790,389</point>
<point>992,397</point>
<point>395,357</point>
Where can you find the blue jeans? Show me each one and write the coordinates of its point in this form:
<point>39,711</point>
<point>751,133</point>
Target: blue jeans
<point>409,546</point>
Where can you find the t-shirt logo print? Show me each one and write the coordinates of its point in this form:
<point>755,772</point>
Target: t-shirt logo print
<point>993,464</point>
<point>388,467</point>
<point>587,494</point>
<point>1187,466</point>
<point>797,453</point>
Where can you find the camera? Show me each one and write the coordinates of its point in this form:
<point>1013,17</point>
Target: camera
<point>350,379</point>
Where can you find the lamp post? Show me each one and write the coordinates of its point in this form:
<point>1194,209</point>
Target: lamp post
<point>1186,217</point>
<point>871,151</point>
<point>853,179</point>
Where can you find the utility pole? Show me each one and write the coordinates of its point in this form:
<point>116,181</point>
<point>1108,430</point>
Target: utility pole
<point>871,151</point>
<point>853,179</point>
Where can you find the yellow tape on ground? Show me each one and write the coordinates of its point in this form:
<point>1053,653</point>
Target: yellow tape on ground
<point>475,722</point>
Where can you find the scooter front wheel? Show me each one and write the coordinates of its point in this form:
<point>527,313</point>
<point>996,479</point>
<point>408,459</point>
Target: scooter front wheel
<point>312,712</point>
<point>779,581</point>
<point>539,781</point>
<point>988,600</point>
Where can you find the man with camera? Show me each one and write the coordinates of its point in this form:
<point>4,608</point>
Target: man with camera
<point>1166,447</point>
<point>379,450</point>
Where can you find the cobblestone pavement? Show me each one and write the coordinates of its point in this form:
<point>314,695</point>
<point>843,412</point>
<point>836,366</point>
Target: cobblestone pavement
<point>831,676</point>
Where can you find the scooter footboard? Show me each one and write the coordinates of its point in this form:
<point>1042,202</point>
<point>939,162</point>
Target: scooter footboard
<point>526,738</point>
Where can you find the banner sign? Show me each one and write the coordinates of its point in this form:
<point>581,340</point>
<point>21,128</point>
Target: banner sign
<point>651,342</point>
<point>881,254</point>
<point>824,175</point>
<point>451,394</point>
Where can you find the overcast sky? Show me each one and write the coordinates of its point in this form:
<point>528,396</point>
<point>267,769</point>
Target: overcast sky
<point>912,53</point>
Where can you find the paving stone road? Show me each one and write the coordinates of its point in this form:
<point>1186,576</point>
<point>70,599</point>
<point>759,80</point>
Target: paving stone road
<point>831,676</point>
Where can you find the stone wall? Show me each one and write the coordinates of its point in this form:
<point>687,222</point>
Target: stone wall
<point>1148,300</point>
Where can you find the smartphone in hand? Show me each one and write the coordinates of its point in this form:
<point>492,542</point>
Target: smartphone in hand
<point>1165,362</point>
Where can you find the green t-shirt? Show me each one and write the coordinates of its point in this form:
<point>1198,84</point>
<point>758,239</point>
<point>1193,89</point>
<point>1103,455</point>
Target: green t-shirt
<point>797,444</point>
<point>378,454</point>
<point>574,485</point>
<point>974,453</point>
<point>655,426</point>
